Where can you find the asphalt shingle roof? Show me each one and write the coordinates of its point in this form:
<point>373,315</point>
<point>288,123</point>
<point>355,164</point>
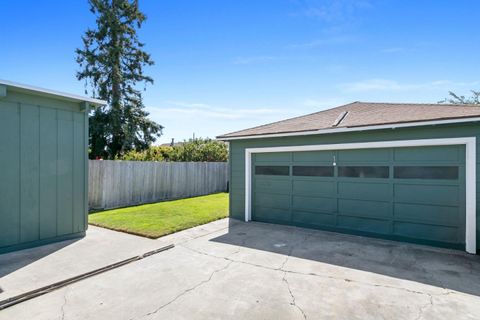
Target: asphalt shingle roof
<point>359,114</point>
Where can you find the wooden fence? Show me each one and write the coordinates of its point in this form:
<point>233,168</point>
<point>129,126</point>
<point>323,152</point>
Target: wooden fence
<point>114,184</point>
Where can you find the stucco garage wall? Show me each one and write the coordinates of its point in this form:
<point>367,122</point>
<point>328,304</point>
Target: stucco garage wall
<point>237,152</point>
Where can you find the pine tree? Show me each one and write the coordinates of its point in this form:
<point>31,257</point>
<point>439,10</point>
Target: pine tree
<point>112,62</point>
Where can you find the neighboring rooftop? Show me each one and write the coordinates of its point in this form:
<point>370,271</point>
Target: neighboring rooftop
<point>18,87</point>
<point>362,114</point>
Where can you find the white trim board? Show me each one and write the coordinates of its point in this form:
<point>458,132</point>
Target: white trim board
<point>353,129</point>
<point>470,172</point>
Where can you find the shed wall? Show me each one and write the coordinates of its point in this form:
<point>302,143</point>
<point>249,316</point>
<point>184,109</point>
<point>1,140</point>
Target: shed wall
<point>42,170</point>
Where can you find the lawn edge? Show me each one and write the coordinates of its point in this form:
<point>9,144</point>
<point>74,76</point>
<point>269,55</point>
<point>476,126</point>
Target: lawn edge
<point>93,211</point>
<point>154,237</point>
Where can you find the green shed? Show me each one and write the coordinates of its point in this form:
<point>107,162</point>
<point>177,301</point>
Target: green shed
<point>404,172</point>
<point>43,165</point>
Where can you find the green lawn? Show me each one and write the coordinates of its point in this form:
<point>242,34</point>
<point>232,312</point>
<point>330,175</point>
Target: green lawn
<point>162,218</point>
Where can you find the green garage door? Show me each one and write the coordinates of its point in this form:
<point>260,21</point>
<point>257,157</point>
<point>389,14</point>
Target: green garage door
<point>414,194</point>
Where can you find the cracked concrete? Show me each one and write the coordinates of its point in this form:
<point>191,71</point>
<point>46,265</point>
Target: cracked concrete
<point>62,310</point>
<point>261,271</point>
<point>423,308</point>
<point>189,289</point>
<point>294,303</point>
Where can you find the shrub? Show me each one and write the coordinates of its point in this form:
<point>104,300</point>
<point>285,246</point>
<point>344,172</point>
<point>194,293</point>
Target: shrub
<point>196,150</point>
<point>154,153</point>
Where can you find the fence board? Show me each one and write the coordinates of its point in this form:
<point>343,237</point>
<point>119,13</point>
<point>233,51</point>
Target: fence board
<point>114,184</point>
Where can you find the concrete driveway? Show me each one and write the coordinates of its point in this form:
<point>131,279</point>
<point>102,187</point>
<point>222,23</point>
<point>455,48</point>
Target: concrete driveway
<point>262,271</point>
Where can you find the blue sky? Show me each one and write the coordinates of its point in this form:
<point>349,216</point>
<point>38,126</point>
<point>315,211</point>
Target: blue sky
<point>225,65</point>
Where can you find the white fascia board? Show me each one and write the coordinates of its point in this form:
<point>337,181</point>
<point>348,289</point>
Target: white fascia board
<point>470,172</point>
<point>48,92</point>
<point>354,129</point>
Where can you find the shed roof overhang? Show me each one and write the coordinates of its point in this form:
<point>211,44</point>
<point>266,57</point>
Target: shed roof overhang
<point>6,86</point>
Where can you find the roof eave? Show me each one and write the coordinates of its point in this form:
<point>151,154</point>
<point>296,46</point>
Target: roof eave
<point>51,93</point>
<point>351,129</point>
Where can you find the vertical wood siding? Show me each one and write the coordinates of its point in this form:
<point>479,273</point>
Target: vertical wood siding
<point>42,169</point>
<point>114,184</point>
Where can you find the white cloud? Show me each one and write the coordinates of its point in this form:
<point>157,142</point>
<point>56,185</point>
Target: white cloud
<point>327,41</point>
<point>255,59</point>
<point>320,104</point>
<point>394,50</point>
<point>333,10</point>
<point>374,85</point>
<point>183,118</point>
<point>181,108</point>
<point>455,83</point>
<point>392,85</point>
<point>418,46</point>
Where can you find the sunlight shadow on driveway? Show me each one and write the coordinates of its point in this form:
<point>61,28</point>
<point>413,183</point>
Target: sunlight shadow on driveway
<point>443,268</point>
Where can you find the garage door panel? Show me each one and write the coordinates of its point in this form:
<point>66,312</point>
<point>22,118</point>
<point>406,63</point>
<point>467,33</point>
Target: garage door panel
<point>313,156</point>
<point>364,224</point>
<point>314,204</point>
<point>314,188</point>
<point>362,208</point>
<point>430,154</point>
<point>426,232</point>
<point>427,194</point>
<point>273,157</point>
<point>365,191</point>
<point>438,215</point>
<point>270,200</point>
<point>364,155</point>
<point>314,219</point>
<point>273,185</point>
<point>272,215</point>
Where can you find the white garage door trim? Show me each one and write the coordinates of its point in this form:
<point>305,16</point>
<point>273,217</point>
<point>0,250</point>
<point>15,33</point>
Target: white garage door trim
<point>470,171</point>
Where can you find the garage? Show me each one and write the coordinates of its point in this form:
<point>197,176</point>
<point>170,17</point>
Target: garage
<point>43,165</point>
<point>405,172</point>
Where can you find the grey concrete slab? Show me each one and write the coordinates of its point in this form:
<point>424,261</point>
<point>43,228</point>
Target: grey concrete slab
<point>261,271</point>
<point>33,268</point>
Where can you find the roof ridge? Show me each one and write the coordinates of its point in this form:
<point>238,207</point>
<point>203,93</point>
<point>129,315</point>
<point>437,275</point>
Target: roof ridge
<point>422,104</point>
<point>297,117</point>
<point>361,113</point>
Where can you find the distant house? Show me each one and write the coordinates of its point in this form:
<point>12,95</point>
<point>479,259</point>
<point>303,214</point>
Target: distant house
<point>398,171</point>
